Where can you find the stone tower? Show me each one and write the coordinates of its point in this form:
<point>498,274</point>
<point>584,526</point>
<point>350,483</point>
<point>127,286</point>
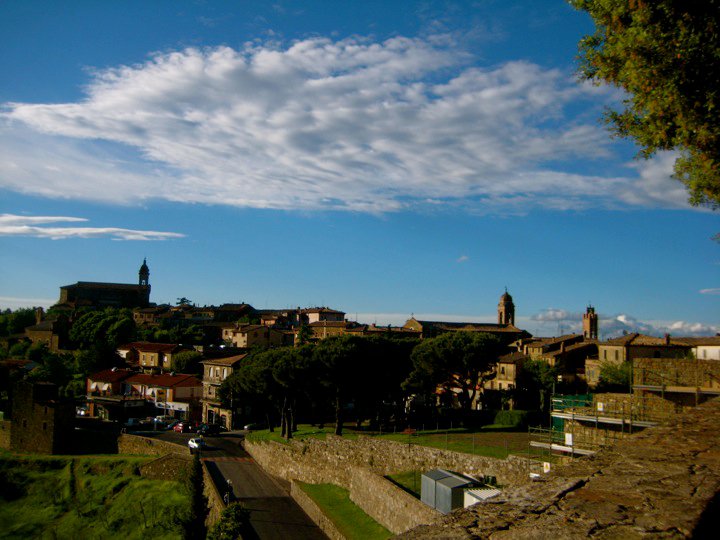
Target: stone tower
<point>144,274</point>
<point>590,323</point>
<point>506,309</point>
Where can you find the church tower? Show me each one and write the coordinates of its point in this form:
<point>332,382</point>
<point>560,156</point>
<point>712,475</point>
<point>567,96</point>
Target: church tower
<point>506,309</point>
<point>590,323</point>
<point>144,274</point>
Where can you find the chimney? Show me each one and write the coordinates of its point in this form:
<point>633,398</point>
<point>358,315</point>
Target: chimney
<point>39,314</point>
<point>667,339</point>
<point>562,347</point>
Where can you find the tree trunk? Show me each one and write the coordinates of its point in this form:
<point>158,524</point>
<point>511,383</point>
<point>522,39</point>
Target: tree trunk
<point>269,423</point>
<point>284,428</point>
<point>338,415</point>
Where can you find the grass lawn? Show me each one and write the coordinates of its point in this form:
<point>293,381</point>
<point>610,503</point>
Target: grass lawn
<point>409,481</point>
<point>350,520</point>
<point>492,443</point>
<point>87,497</point>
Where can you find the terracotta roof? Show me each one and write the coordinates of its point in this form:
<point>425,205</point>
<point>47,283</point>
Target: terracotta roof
<point>111,375</point>
<point>165,380</point>
<point>321,310</point>
<point>698,341</point>
<point>228,361</point>
<point>645,340</point>
<point>513,358</point>
<point>338,324</point>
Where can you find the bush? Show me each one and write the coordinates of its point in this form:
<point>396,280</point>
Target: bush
<point>233,521</point>
<point>515,419</point>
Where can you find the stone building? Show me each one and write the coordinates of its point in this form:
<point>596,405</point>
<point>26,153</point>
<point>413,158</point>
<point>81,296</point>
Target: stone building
<point>215,371</point>
<point>41,422</point>
<point>100,295</point>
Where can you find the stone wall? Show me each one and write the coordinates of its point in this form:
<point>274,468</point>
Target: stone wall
<point>5,427</point>
<point>663,482</point>
<point>300,458</point>
<point>360,465</point>
<point>386,503</point>
<point>215,503</point>
<point>168,467</point>
<point>135,444</point>
<point>315,512</point>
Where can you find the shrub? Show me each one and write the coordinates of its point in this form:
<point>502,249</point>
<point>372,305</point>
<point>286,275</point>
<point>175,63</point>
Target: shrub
<point>233,521</point>
<point>511,418</point>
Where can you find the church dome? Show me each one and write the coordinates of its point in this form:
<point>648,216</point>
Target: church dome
<point>506,297</point>
<point>144,268</point>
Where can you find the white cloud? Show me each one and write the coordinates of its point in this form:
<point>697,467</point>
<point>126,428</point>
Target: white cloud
<point>710,291</point>
<point>462,259</point>
<point>13,225</point>
<point>656,187</point>
<point>350,124</point>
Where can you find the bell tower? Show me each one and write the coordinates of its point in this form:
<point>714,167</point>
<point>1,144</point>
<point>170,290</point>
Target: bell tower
<point>144,274</point>
<point>506,309</point>
<point>590,323</point>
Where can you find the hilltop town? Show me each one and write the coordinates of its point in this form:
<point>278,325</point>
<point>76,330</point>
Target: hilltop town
<point>105,364</point>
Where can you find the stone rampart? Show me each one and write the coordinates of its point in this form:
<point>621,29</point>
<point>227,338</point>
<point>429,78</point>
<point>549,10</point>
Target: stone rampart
<point>663,482</point>
<point>5,427</point>
<point>360,465</point>
<point>386,503</point>
<point>299,459</point>
<point>136,444</point>
<point>314,512</point>
<point>215,503</point>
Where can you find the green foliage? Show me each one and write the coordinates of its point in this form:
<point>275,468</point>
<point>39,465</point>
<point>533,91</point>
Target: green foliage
<point>187,362</point>
<point>615,377</point>
<point>666,55</point>
<point>537,378</point>
<point>350,520</point>
<point>19,349</point>
<point>454,360</point>
<point>110,326</point>
<point>15,322</point>
<point>233,521</point>
<point>87,498</point>
<point>513,419</point>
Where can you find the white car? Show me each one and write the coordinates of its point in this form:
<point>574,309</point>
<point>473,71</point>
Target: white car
<point>197,444</point>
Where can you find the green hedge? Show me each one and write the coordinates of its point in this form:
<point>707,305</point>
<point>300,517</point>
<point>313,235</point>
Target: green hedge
<point>512,418</point>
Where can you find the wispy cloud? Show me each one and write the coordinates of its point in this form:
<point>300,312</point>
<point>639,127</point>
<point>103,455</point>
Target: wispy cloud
<point>462,259</point>
<point>351,124</point>
<point>14,225</point>
<point>710,291</point>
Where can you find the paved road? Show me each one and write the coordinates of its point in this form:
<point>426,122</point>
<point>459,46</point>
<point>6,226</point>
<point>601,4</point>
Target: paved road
<point>273,513</point>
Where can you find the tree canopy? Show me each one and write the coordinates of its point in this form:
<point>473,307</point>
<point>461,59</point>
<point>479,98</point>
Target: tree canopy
<point>666,55</point>
<point>455,360</point>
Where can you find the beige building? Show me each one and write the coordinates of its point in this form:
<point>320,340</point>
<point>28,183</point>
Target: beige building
<point>247,336</point>
<point>150,357</point>
<point>215,371</point>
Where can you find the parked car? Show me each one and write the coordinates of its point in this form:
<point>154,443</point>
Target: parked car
<point>183,427</point>
<point>254,426</point>
<point>133,423</point>
<point>172,425</point>
<point>196,444</point>
<point>209,429</point>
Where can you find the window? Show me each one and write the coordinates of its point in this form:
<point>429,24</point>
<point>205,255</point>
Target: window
<point>604,355</point>
<point>502,370</point>
<point>704,353</point>
<point>44,426</point>
<point>616,355</point>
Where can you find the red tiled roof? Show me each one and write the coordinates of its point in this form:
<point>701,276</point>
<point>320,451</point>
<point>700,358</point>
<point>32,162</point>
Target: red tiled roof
<point>227,361</point>
<point>111,375</point>
<point>165,380</point>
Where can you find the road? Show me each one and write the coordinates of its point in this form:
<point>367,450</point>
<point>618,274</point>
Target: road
<point>273,513</point>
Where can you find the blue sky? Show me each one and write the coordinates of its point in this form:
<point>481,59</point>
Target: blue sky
<point>383,158</point>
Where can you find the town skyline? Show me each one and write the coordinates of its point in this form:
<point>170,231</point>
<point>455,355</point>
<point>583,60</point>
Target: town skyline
<point>382,160</point>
